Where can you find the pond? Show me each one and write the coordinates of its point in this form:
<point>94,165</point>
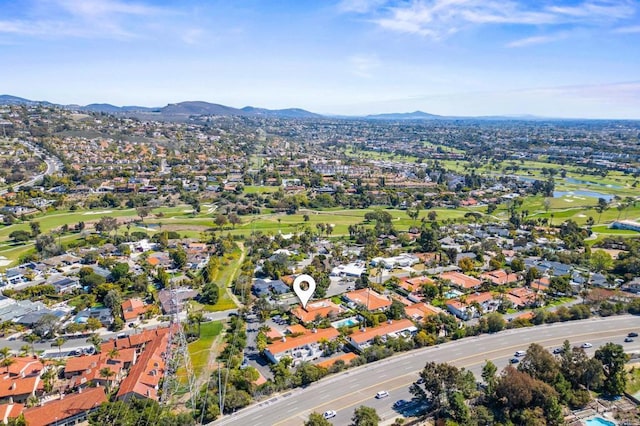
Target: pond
<point>586,182</point>
<point>583,193</point>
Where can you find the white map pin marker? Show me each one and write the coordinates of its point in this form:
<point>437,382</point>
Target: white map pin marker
<point>304,295</point>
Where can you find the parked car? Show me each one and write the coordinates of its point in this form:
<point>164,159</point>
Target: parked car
<point>557,351</point>
<point>520,353</point>
<point>382,394</point>
<point>586,345</point>
<point>329,414</point>
<point>400,403</point>
<point>514,360</point>
<point>632,334</point>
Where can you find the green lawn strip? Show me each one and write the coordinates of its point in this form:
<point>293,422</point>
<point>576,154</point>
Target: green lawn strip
<point>633,382</point>
<point>200,350</point>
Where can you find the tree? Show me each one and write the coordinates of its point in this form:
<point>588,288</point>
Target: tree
<point>93,323</point>
<point>143,211</point>
<point>613,359</point>
<point>539,364</point>
<point>517,264</point>
<point>119,270</point>
<point>59,341</point>
<point>106,373</point>
<point>95,340</point>
<point>179,257</point>
<point>458,409</point>
<point>46,326</point>
<point>601,261</point>
<point>106,224</point>
<point>113,301</point>
<point>495,322</point>
<point>220,220</point>
<point>316,419</point>
<point>20,236</point>
<point>396,310</point>
<point>466,264</point>
<point>210,293</point>
<point>35,228</point>
<point>32,339</point>
<point>234,220</point>
<point>365,416</point>
<point>489,371</point>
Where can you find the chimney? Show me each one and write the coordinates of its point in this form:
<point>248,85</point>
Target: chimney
<point>80,390</point>
<point>314,330</point>
<point>389,321</point>
<point>284,339</point>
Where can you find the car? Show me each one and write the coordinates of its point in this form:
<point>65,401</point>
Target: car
<point>329,414</point>
<point>557,351</point>
<point>632,334</point>
<point>520,353</point>
<point>514,360</point>
<point>400,403</point>
<point>382,394</point>
<point>586,345</point>
<point>420,381</point>
<point>628,339</point>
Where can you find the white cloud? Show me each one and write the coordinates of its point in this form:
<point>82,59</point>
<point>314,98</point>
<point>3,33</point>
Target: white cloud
<point>436,18</point>
<point>529,41</point>
<point>628,30</point>
<point>364,65</point>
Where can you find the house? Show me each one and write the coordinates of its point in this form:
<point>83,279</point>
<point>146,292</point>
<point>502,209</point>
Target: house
<point>541,284</point>
<point>102,314</point>
<point>85,370</point>
<point>304,347</point>
<point>370,299</point>
<point>353,269</point>
<point>365,337</point>
<point>10,411</point>
<point>500,277</point>
<point>266,287</point>
<point>420,311</point>
<point>19,389</point>
<point>461,310</point>
<point>486,301</point>
<point>632,286</point>
<point>320,308</point>
<point>522,297</point>
<point>133,309</point>
<point>66,285</point>
<point>168,301</point>
<point>414,284</point>
<point>68,410</point>
<point>144,377</point>
<point>400,261</point>
<point>461,280</point>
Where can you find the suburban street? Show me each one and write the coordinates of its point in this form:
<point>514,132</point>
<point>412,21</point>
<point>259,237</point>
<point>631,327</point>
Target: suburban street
<point>346,391</point>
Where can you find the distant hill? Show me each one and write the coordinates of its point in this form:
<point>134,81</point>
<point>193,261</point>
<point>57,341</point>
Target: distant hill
<point>14,100</point>
<point>199,108</point>
<point>284,113</point>
<point>416,115</point>
<point>112,109</point>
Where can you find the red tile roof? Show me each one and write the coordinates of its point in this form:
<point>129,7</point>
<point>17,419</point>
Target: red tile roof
<point>145,375</point>
<point>369,298</point>
<point>10,411</point>
<point>322,308</point>
<point>16,386</point>
<point>133,308</point>
<point>461,280</point>
<point>500,277</point>
<point>361,336</point>
<point>308,338</point>
<point>66,407</point>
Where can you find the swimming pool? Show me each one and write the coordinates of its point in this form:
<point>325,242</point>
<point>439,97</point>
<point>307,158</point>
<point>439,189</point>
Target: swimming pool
<point>598,421</point>
<point>452,294</point>
<point>348,322</point>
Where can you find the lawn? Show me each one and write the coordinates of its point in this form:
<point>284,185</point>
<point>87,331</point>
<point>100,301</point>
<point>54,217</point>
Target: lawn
<point>200,350</point>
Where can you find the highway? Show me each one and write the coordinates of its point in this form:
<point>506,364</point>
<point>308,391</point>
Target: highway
<point>348,390</point>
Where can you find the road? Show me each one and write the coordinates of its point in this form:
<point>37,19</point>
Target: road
<point>346,391</point>
<point>53,165</point>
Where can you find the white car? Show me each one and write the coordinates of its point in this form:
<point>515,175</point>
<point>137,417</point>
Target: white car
<point>329,414</point>
<point>586,345</point>
<point>382,394</point>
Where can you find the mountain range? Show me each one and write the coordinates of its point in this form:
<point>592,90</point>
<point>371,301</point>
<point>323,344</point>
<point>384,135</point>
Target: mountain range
<point>183,110</point>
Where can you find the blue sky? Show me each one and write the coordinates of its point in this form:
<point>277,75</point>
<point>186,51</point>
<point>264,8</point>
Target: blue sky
<point>562,58</point>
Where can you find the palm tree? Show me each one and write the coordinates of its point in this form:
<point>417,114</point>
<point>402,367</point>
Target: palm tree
<point>4,352</point>
<point>47,377</point>
<point>59,342</point>
<point>95,340</point>
<point>106,373</point>
<point>113,353</point>
<point>7,363</point>
<point>24,350</point>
